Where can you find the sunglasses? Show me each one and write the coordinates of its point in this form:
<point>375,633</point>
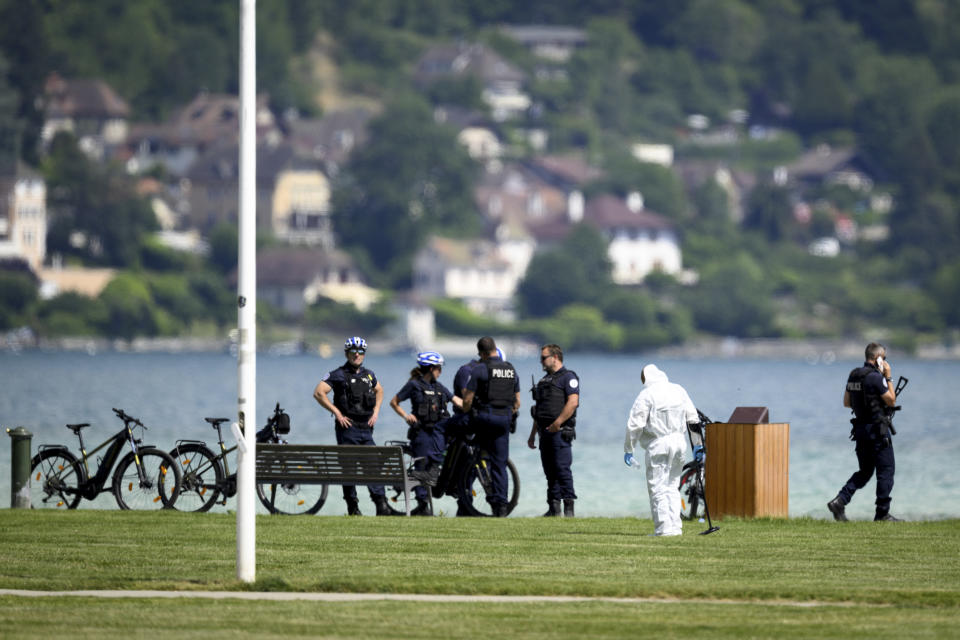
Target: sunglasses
<point>544,358</point>
<point>359,351</point>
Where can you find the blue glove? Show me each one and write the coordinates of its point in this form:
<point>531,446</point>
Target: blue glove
<point>628,459</point>
<point>698,453</point>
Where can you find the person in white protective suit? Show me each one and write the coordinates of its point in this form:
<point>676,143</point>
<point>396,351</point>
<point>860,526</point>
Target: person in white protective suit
<point>658,423</point>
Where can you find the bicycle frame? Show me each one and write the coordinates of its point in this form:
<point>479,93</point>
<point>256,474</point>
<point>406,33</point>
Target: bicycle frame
<point>90,486</point>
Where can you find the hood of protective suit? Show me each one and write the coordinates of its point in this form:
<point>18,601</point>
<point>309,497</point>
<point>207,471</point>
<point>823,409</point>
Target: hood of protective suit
<point>662,409</point>
<point>652,375</point>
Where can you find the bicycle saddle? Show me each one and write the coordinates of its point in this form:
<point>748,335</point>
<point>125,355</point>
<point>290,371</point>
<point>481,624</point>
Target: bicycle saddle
<point>217,421</point>
<point>76,427</point>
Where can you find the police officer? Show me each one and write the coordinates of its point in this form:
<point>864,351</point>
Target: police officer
<point>357,396</point>
<point>492,395</point>
<point>427,418</point>
<point>868,393</point>
<point>557,397</point>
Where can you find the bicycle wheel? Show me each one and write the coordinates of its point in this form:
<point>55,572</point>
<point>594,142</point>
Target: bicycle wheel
<point>475,486</point>
<point>159,487</point>
<point>292,499</point>
<point>55,479</point>
<point>691,498</point>
<point>201,476</point>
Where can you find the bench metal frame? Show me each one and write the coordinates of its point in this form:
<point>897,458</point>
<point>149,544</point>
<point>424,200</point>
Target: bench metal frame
<point>336,464</point>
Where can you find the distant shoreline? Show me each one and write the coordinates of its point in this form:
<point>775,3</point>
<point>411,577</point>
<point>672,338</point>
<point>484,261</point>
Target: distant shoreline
<point>814,351</point>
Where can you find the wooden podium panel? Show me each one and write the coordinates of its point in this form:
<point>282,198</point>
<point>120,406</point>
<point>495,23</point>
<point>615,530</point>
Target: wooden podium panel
<point>747,469</point>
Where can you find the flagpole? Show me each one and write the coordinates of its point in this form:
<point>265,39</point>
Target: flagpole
<point>247,299</point>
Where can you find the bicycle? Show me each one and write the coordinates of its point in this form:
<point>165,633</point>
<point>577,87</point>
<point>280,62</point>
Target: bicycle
<point>207,478</point>
<point>146,478</point>
<point>465,475</point>
<point>691,481</point>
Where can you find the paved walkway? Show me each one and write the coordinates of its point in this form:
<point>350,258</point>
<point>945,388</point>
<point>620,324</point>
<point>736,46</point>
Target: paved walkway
<point>410,597</point>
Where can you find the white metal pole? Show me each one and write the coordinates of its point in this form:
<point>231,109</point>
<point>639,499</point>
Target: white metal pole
<point>247,298</point>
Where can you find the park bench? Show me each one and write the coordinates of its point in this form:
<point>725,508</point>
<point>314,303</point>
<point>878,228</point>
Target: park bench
<point>335,464</point>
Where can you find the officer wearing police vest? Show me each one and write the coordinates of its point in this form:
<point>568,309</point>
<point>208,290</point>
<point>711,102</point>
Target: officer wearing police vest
<point>357,396</point>
<point>868,393</point>
<point>492,397</point>
<point>427,421</point>
<point>557,397</point>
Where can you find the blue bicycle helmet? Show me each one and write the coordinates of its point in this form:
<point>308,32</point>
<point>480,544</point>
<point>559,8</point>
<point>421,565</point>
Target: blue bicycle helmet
<point>356,342</point>
<point>500,354</point>
<point>429,359</point>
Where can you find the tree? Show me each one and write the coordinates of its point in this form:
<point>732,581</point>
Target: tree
<point>720,31</point>
<point>734,298</point>
<point>129,307</point>
<point>94,213</point>
<point>769,212</point>
<point>18,292</point>
<point>578,271</point>
<point>411,181</point>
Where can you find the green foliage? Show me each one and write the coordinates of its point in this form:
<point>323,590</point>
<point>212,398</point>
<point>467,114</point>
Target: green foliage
<point>18,291</point>
<point>662,189</point>
<point>464,92</point>
<point>328,315</point>
<point>96,203</point>
<point>769,212</point>
<point>71,314</point>
<point>224,246</point>
<point>453,317</point>
<point>156,256</point>
<point>733,298</point>
<point>129,307</point>
<point>412,180</point>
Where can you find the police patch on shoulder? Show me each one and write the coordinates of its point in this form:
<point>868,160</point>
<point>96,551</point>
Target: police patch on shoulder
<point>574,383</point>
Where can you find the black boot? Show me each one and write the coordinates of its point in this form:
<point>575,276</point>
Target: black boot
<point>353,507</point>
<point>554,509</point>
<point>568,507</point>
<point>500,510</point>
<point>423,508</point>
<point>384,508</point>
<point>836,507</point>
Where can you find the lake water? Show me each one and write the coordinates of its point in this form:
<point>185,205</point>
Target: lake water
<point>172,393</point>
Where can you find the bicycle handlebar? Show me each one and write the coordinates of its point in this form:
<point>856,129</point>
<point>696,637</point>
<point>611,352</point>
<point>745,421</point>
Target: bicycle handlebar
<point>128,418</point>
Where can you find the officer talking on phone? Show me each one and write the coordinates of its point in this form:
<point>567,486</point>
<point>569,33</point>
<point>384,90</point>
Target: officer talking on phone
<point>868,393</point>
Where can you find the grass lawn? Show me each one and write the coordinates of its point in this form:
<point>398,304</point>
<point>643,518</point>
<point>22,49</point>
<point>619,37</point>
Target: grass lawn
<point>753,578</point>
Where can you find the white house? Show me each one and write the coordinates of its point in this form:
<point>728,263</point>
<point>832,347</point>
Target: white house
<point>641,241</point>
<point>473,271</point>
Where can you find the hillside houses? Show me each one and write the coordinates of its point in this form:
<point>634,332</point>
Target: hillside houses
<point>89,109</point>
<point>502,82</point>
<point>528,200</point>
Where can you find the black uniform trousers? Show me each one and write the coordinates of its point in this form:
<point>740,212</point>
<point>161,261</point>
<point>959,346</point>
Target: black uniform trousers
<point>873,455</point>
<point>556,456</point>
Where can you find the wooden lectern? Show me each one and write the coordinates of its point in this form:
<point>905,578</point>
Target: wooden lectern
<point>747,469</point>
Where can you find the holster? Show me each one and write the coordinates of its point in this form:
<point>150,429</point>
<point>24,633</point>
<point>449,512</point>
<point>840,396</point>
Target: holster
<point>568,432</point>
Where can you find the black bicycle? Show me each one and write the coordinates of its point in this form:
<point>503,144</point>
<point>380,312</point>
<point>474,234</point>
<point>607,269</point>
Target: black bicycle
<point>207,479</point>
<point>466,475</point>
<point>692,498</point>
<point>146,478</point>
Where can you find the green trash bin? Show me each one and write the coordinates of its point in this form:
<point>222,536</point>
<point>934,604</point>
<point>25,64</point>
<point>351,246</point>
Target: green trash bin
<point>19,468</point>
